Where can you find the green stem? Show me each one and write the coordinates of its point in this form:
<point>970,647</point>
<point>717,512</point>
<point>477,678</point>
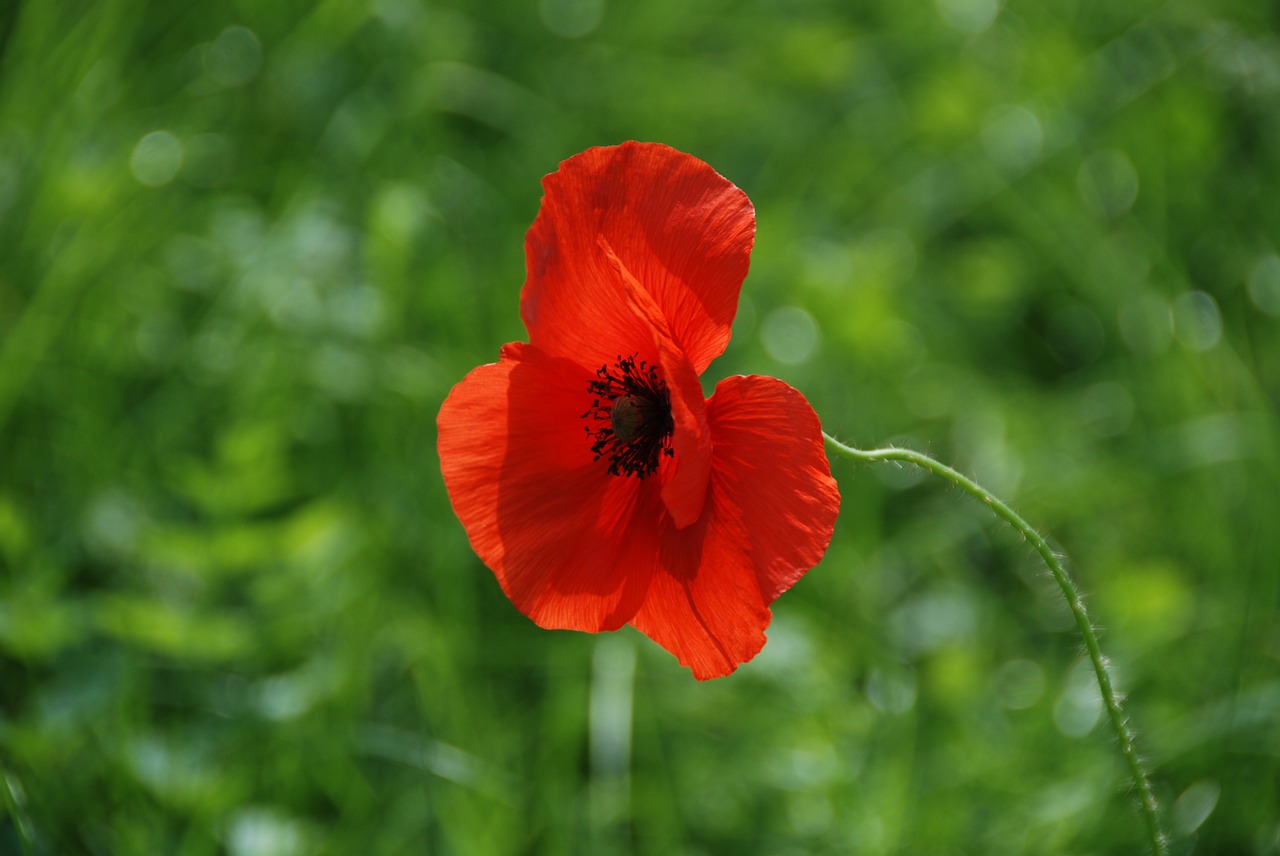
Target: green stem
<point>1146,796</point>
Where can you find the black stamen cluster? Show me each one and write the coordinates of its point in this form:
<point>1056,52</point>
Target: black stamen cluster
<point>632,409</point>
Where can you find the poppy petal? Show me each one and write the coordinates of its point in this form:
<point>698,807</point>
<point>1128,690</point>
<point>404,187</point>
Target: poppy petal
<point>769,461</point>
<point>563,537</point>
<point>684,478</point>
<point>684,231</point>
<point>703,604</point>
<point>770,512</point>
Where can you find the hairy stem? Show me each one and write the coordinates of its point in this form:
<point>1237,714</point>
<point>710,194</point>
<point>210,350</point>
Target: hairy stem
<point>1142,784</point>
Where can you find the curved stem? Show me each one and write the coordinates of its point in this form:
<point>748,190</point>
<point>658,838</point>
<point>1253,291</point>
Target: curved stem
<point>1146,796</point>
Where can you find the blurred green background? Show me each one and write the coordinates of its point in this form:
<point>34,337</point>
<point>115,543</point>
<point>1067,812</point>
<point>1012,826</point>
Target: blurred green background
<point>247,247</point>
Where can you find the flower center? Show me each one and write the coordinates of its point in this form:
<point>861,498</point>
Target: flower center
<point>631,410</point>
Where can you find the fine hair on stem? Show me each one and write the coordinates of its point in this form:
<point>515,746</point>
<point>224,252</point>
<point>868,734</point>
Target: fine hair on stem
<point>1148,806</point>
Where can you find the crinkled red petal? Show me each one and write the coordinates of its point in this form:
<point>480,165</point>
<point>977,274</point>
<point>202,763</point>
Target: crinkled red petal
<point>770,512</point>
<point>703,603</point>
<point>684,475</point>
<point>683,231</point>
<point>770,462</point>
<point>570,544</point>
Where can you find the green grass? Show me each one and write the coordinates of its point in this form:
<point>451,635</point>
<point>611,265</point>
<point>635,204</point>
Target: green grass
<point>247,248</point>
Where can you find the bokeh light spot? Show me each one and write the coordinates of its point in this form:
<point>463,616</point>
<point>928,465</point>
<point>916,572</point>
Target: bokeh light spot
<point>1108,183</point>
<point>1196,320</point>
<point>1079,705</point>
<point>113,522</point>
<point>357,310</point>
<point>789,335</point>
<point>1194,805</point>
<point>1264,284</point>
<point>233,59</point>
<point>1019,684</point>
<point>100,87</point>
<point>968,16</point>
<point>260,831</point>
<point>156,158</point>
<point>571,19</point>
<point>1012,137</point>
<point>341,372</point>
<point>934,621</point>
<point>892,689</point>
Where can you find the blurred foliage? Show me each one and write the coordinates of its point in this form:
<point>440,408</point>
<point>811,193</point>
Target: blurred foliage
<point>246,248</point>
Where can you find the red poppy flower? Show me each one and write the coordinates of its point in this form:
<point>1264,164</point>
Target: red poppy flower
<point>589,472</point>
